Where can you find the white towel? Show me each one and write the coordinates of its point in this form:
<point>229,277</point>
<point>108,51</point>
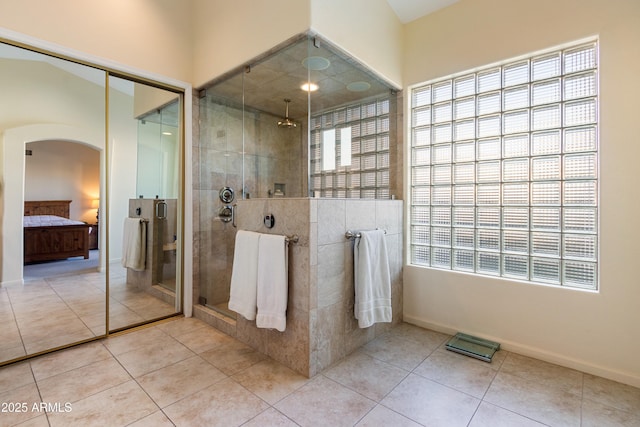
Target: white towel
<point>134,244</point>
<point>244,274</point>
<point>272,282</point>
<point>372,279</point>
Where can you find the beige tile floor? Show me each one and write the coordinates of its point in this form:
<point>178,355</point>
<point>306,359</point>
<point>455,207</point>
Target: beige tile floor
<point>185,373</point>
<point>48,312</point>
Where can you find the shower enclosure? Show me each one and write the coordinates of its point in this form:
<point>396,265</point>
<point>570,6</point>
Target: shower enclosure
<point>304,120</point>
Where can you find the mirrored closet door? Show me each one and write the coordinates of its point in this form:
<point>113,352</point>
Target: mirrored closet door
<point>79,147</point>
<point>144,199</point>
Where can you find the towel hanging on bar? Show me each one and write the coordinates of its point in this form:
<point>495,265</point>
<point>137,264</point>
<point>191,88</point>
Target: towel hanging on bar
<point>134,244</point>
<point>372,279</point>
<point>259,287</point>
<point>272,285</point>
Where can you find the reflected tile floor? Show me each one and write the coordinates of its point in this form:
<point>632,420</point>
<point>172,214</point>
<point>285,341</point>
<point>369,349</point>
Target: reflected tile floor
<point>48,312</point>
<point>177,373</point>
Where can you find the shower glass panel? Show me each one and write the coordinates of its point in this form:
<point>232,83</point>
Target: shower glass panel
<point>220,150</point>
<point>158,174</point>
<point>158,143</point>
<point>143,222</point>
<point>276,124</point>
<point>351,127</point>
<point>267,131</point>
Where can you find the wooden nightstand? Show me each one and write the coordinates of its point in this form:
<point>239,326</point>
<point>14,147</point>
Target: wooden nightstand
<point>94,232</point>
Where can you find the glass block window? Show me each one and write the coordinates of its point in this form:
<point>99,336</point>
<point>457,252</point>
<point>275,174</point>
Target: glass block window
<point>504,170</point>
<point>350,151</point>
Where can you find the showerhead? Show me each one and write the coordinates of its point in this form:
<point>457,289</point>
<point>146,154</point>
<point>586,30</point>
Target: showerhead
<point>286,122</point>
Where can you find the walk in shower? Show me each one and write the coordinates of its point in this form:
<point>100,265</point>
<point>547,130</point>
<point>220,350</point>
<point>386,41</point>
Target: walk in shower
<point>305,120</point>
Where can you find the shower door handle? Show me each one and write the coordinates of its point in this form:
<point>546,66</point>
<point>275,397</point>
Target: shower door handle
<point>161,210</point>
<point>233,215</point>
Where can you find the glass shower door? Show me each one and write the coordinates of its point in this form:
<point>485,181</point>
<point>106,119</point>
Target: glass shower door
<point>144,233</point>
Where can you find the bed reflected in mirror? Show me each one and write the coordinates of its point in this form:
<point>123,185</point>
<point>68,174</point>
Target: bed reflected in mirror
<point>52,127</point>
<point>65,187</point>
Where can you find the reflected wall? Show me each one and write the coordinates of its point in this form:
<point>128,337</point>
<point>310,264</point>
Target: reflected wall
<point>47,102</point>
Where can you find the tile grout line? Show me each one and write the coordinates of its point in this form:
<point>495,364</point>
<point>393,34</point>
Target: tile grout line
<point>69,307</point>
<point>46,413</point>
<point>15,320</point>
<point>137,383</point>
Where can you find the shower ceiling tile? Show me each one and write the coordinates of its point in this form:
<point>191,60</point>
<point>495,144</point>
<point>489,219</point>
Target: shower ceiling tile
<point>280,76</point>
<point>330,85</point>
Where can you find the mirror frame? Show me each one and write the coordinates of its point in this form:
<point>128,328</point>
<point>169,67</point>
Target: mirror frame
<point>185,221</point>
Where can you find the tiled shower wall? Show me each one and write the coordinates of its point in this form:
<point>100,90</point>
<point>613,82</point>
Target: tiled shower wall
<point>334,329</point>
<point>290,347</point>
<point>321,328</point>
<point>271,155</point>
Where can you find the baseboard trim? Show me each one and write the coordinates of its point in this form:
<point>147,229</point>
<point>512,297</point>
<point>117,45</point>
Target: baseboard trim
<point>12,282</point>
<point>525,350</point>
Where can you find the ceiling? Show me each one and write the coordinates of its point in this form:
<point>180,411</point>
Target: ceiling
<point>280,76</point>
<point>409,10</point>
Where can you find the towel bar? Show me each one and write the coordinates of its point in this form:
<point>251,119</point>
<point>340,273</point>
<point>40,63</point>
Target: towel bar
<point>355,234</point>
<point>292,239</point>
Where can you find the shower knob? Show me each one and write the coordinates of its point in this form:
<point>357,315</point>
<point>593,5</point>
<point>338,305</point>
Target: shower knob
<point>226,194</point>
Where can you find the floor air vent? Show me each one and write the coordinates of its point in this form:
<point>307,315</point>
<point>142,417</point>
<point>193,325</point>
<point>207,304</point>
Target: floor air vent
<point>473,346</point>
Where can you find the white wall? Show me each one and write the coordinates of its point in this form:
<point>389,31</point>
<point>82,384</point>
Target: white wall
<point>121,166</point>
<point>198,40</point>
<point>593,331</point>
<point>13,142</point>
<point>61,170</point>
<point>368,30</point>
<point>41,103</point>
<point>44,98</point>
<point>152,35</point>
<point>150,39</point>
<point>227,34</point>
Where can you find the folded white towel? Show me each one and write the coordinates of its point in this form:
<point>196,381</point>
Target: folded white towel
<point>372,279</point>
<point>134,244</point>
<point>272,282</point>
<point>244,274</point>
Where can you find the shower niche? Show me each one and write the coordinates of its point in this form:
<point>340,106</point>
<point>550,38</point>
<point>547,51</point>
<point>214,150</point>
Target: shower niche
<point>301,122</point>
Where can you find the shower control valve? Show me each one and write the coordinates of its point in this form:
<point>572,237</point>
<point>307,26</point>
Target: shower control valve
<point>269,220</point>
<point>226,195</point>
